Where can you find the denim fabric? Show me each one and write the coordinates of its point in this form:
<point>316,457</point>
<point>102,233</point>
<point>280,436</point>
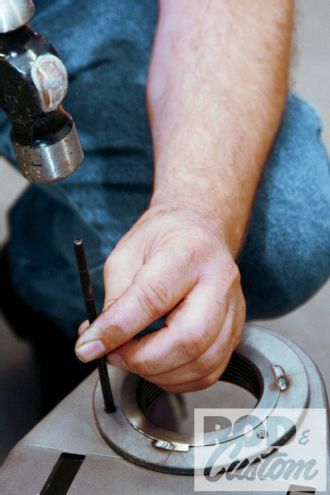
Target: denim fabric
<point>106,47</point>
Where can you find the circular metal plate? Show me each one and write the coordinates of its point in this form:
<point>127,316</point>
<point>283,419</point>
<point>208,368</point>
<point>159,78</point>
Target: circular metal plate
<point>283,384</point>
<point>132,409</point>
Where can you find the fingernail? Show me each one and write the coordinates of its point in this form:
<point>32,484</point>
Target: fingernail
<point>90,351</point>
<point>117,360</point>
<point>90,333</point>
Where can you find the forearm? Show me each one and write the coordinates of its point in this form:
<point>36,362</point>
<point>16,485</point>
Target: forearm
<point>216,91</point>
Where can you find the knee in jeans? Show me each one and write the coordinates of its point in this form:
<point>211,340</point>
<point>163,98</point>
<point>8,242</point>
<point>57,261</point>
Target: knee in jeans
<point>290,274</point>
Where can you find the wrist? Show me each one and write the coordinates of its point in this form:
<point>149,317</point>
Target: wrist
<point>219,220</point>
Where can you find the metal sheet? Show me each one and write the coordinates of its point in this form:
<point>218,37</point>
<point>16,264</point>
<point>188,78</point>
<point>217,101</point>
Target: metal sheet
<point>176,454</point>
<point>71,428</point>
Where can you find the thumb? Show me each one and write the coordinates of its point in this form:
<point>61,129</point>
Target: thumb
<point>119,271</point>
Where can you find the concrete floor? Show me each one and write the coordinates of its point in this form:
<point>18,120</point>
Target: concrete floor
<point>308,326</point>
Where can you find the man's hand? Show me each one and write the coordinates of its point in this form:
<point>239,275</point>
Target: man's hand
<point>216,92</point>
<point>171,262</point>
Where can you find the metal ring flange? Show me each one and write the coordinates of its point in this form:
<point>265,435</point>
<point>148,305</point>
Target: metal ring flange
<point>132,435</point>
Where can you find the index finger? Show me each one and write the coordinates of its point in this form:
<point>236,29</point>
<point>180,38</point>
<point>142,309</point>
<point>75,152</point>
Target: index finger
<point>156,289</point>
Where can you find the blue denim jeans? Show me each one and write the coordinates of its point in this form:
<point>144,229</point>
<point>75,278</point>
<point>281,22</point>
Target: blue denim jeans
<point>106,47</point>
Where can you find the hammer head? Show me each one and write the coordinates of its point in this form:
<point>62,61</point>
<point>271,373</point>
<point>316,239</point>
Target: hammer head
<point>33,84</point>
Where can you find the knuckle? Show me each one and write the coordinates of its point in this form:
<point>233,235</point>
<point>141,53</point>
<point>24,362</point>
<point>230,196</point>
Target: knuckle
<point>205,242</point>
<point>197,244</point>
<point>206,365</point>
<point>134,364</point>
<point>187,250</point>
<point>192,344</point>
<point>154,297</point>
<point>200,246</point>
<point>233,273</point>
<point>144,368</point>
<point>223,268</point>
<point>138,366</point>
<point>210,380</point>
<point>230,274</point>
